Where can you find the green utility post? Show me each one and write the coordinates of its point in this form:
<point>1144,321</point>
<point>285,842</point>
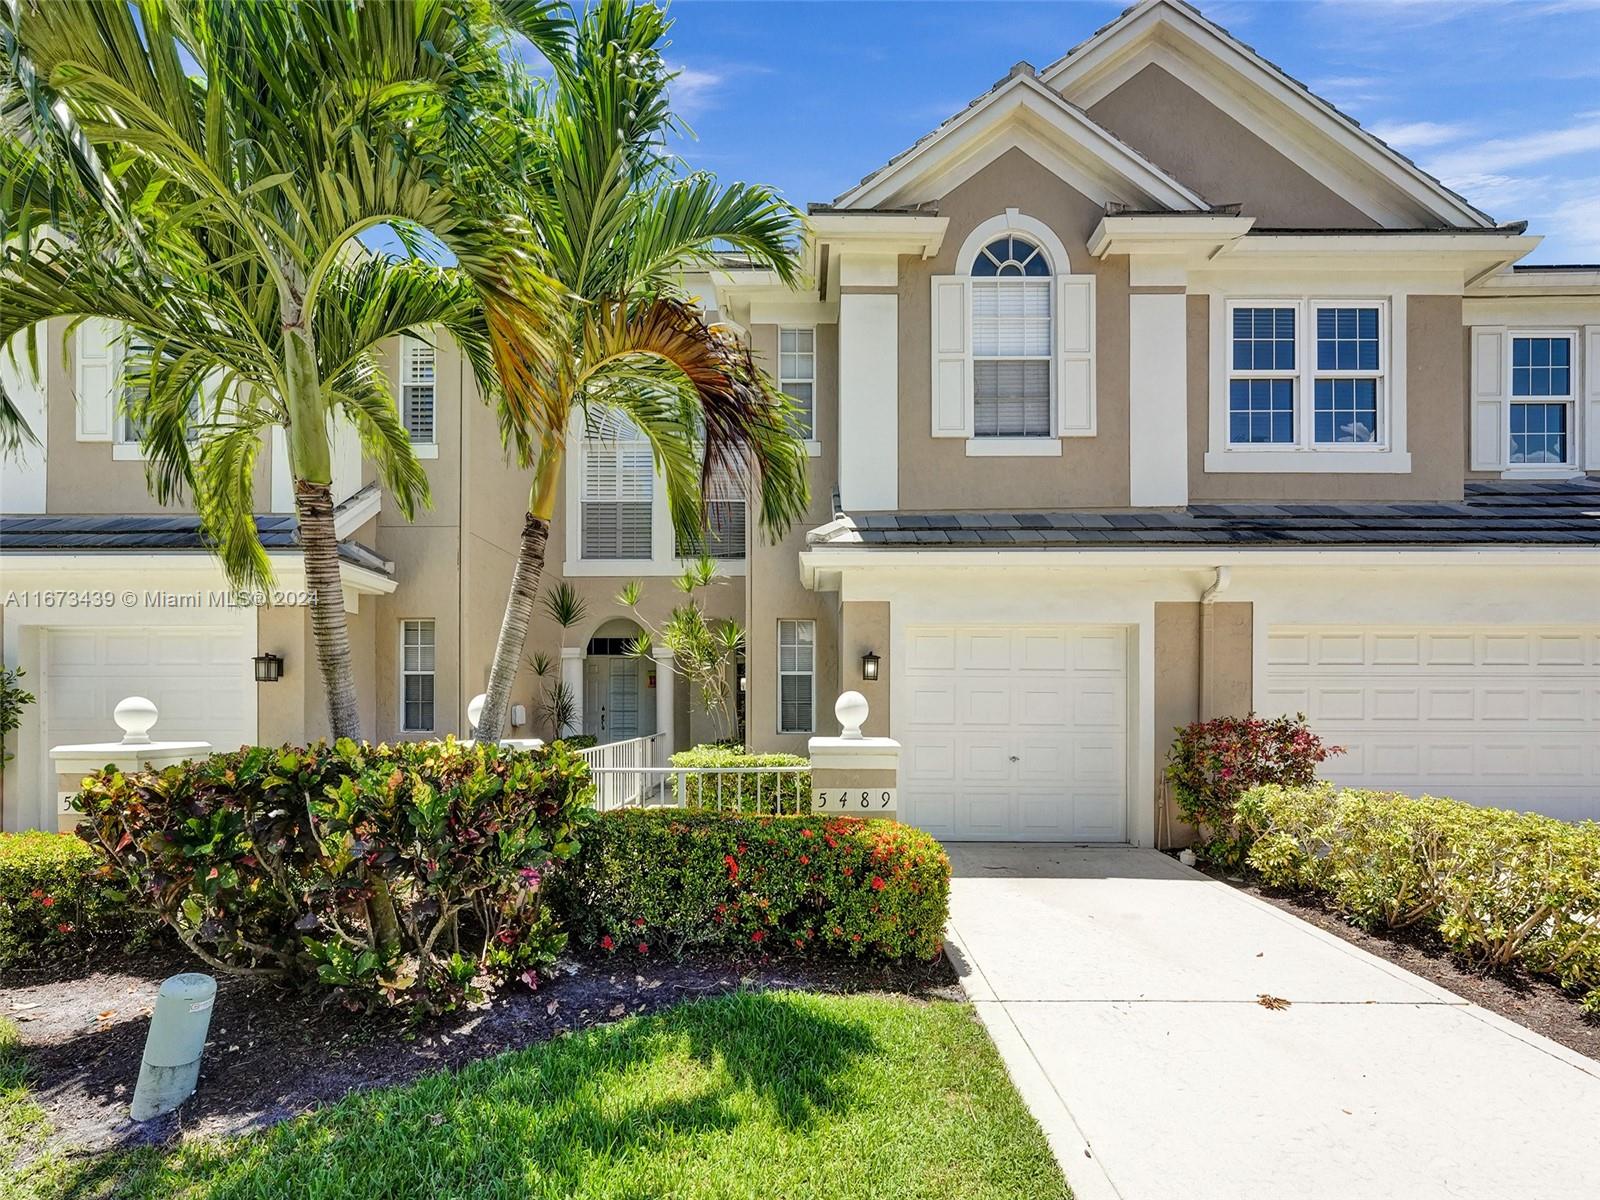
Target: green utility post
<point>172,1051</point>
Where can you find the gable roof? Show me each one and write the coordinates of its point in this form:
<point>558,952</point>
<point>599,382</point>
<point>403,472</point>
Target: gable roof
<point>1019,110</point>
<point>1341,145</point>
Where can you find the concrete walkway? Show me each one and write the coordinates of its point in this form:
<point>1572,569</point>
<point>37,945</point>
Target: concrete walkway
<point>1123,992</point>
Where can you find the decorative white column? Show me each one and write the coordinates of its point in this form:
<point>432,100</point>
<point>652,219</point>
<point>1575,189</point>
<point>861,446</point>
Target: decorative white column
<point>852,774</point>
<point>572,680</point>
<point>135,716</point>
<point>1158,399</point>
<point>665,680</point>
<point>869,393</point>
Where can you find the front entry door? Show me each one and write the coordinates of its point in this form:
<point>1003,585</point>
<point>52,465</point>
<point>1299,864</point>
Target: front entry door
<point>611,698</point>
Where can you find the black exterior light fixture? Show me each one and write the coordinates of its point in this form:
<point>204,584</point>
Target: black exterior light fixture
<point>869,667</point>
<point>269,668</point>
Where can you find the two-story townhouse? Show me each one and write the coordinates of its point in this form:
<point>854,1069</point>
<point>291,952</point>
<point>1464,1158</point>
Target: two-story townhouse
<point>1148,387</point>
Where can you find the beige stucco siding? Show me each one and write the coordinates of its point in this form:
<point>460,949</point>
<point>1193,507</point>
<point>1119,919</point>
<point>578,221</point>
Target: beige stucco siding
<point>864,628</point>
<point>775,590</point>
<point>936,473</point>
<point>1192,139</point>
<point>1435,420</point>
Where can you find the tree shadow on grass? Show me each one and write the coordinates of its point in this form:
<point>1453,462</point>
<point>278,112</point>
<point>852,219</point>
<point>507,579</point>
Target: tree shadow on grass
<point>541,1122</point>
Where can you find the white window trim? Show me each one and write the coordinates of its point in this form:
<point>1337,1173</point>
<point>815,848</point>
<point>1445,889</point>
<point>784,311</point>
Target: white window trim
<point>404,674</point>
<point>663,560</point>
<point>1572,401</point>
<point>811,723</point>
<point>1388,455</point>
<point>813,443</point>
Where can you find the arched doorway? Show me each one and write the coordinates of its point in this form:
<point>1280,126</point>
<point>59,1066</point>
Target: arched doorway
<point>619,689</point>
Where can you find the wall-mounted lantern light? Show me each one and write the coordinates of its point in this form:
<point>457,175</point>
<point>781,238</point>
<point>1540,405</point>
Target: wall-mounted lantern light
<point>869,666</point>
<point>269,668</point>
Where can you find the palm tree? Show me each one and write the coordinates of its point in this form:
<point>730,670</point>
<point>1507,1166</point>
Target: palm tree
<point>200,171</point>
<point>619,222</point>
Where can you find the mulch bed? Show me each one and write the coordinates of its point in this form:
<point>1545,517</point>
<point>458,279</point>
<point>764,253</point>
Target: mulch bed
<point>1536,1004</point>
<point>272,1055</point>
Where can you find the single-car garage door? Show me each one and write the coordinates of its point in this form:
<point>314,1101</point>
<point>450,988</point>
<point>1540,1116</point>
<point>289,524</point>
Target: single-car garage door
<point>200,679</point>
<point>1501,716</point>
<point>1014,733</point>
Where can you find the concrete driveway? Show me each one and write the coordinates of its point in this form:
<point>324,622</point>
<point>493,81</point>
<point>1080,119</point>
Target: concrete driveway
<point>1123,991</point>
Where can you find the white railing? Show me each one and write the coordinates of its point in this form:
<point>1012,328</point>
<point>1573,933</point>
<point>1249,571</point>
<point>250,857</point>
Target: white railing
<point>605,761</point>
<point>741,789</point>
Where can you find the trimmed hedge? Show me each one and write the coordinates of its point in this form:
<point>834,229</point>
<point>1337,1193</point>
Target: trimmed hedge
<point>407,874</point>
<point>1499,887</point>
<point>54,905</point>
<point>787,793</point>
<point>667,880</point>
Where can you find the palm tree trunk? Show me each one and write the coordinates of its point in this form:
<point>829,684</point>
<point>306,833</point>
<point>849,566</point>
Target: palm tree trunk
<point>513,637</point>
<point>311,462</point>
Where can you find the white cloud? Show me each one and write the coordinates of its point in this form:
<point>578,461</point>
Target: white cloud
<point>1500,155</point>
<point>1572,228</point>
<point>694,91</point>
<point>1410,135</point>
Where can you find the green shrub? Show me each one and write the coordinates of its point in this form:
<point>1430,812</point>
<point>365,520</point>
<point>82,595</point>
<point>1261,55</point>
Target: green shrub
<point>1499,887</point>
<point>404,874</point>
<point>579,741</point>
<point>1213,763</point>
<point>789,792</point>
<point>54,905</point>
<point>664,880</point>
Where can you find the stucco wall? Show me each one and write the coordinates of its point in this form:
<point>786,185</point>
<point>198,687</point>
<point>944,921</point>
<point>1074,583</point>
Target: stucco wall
<point>1179,130</point>
<point>935,473</point>
<point>1435,421</point>
<point>864,627</point>
<point>775,590</point>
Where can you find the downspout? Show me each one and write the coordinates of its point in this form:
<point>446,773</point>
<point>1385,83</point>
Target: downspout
<point>1208,598</point>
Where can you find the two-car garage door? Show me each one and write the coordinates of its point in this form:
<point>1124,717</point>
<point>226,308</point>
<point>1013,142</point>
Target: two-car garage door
<point>1494,715</point>
<point>1014,733</point>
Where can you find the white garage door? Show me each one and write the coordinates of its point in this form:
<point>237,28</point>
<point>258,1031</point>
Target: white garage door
<point>200,679</point>
<point>1015,733</point>
<point>1506,717</point>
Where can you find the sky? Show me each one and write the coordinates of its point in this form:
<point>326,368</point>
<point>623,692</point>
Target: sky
<point>1499,98</point>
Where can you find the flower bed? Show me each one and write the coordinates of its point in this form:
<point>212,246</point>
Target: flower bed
<point>1501,888</point>
<point>54,905</point>
<point>663,881</point>
<point>405,874</point>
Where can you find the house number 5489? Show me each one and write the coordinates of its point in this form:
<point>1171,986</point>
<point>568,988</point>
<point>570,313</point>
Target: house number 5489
<point>852,799</point>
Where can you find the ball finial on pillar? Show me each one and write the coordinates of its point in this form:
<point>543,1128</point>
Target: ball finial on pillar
<point>475,710</point>
<point>851,709</point>
<point>134,716</point>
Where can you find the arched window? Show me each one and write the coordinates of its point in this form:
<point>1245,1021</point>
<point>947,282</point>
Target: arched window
<point>1011,343</point>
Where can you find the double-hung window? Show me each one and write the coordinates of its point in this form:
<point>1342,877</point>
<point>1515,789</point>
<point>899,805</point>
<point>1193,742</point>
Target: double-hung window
<point>618,490</point>
<point>1307,374</point>
<point>1541,412</point>
<point>1011,343</point>
<point>416,676</point>
<point>724,532</point>
<point>797,376</point>
<point>417,389</point>
<point>797,668</point>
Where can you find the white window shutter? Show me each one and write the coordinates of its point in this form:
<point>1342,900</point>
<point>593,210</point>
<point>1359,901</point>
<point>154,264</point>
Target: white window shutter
<point>952,356</point>
<point>1491,349</point>
<point>1075,409</point>
<point>99,377</point>
<point>1589,355</point>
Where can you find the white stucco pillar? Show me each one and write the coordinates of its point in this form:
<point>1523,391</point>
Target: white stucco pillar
<point>665,678</point>
<point>572,680</point>
<point>1158,399</point>
<point>869,388</point>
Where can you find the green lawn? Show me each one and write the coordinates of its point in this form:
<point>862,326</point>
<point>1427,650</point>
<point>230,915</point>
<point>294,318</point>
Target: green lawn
<point>756,1095</point>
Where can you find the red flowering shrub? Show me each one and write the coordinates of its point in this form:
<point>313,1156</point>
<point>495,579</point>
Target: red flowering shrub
<point>675,879</point>
<point>1213,763</point>
<point>53,904</point>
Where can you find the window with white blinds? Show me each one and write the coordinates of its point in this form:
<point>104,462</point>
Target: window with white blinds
<point>417,391</point>
<point>618,489</point>
<point>797,669</point>
<point>723,535</point>
<point>416,676</point>
<point>1011,319</point>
